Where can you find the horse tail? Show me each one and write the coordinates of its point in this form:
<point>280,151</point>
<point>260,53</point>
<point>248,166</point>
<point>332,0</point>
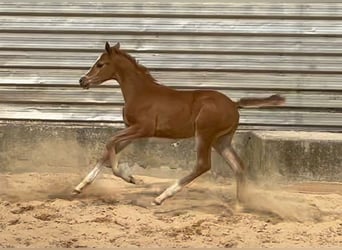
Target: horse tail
<point>273,100</point>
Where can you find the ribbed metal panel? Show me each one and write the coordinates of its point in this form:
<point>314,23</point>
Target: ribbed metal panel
<point>176,43</point>
<point>182,61</point>
<point>153,25</point>
<point>185,79</point>
<point>113,96</point>
<point>174,8</point>
<point>239,48</point>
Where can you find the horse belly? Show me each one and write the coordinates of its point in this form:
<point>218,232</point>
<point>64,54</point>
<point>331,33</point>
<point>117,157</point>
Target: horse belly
<point>180,127</point>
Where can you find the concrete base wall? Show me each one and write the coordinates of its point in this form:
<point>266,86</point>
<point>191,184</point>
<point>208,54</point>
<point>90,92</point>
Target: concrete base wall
<point>295,155</point>
<point>59,147</point>
<point>56,147</point>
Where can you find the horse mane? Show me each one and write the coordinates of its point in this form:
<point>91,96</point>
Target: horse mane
<point>139,66</point>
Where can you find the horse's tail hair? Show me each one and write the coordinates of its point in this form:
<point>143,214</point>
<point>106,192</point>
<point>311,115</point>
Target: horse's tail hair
<point>273,100</point>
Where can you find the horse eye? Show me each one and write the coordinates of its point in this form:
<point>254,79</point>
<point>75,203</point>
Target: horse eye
<point>100,65</point>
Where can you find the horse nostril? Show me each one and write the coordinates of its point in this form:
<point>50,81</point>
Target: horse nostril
<point>81,80</point>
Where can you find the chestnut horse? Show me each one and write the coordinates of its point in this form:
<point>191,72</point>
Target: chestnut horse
<point>155,110</point>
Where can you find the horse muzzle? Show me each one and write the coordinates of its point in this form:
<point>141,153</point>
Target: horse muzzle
<point>84,83</point>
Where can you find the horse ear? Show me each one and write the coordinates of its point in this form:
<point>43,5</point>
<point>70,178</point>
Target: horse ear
<point>108,48</point>
<point>116,46</point>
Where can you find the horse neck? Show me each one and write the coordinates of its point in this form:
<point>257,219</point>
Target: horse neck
<point>133,83</point>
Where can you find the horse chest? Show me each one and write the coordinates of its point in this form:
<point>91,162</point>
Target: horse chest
<point>136,115</point>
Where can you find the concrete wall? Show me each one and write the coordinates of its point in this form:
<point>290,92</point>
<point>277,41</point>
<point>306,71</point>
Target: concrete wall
<point>60,147</point>
<point>295,155</point>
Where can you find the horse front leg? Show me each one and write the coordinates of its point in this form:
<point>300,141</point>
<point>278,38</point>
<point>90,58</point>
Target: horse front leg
<point>122,138</point>
<point>124,172</point>
<point>117,143</point>
<point>90,177</point>
<point>121,171</point>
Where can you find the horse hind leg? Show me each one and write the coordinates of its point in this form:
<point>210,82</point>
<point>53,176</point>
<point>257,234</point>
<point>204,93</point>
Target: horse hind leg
<point>224,148</point>
<point>203,164</point>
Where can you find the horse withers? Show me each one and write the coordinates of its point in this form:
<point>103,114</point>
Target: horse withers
<point>155,110</point>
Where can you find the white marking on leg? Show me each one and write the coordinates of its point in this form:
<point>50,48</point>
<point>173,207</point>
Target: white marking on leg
<point>89,178</point>
<point>169,192</point>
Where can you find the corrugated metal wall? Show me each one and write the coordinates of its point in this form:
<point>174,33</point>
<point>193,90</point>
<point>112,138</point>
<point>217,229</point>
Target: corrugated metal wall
<point>242,49</point>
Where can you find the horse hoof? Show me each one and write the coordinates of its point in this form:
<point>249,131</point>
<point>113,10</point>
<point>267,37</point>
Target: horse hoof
<point>132,180</point>
<point>156,203</point>
<point>75,192</point>
<point>135,181</point>
<point>138,181</point>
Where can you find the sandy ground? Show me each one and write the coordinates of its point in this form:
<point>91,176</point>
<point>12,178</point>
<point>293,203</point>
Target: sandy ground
<point>36,210</point>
